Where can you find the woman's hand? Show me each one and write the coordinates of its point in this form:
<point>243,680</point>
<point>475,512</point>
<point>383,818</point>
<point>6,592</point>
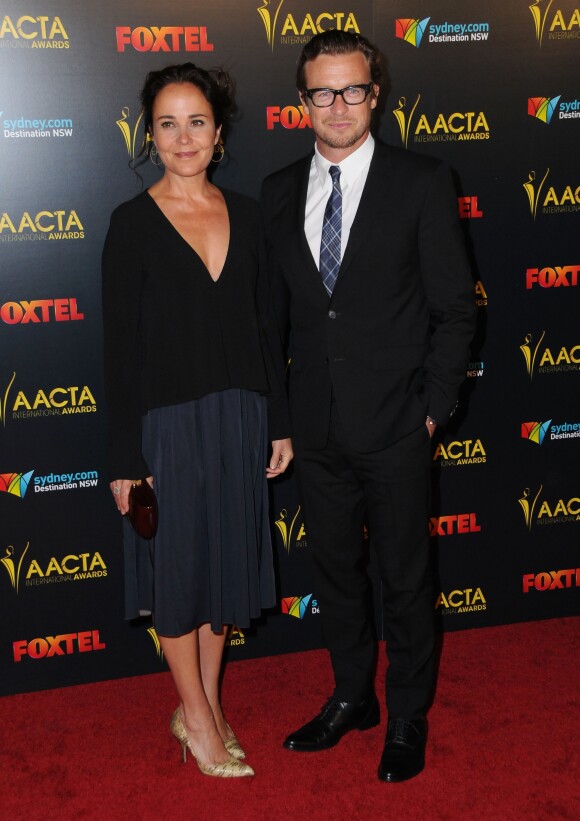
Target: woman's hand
<point>120,489</point>
<point>282,455</point>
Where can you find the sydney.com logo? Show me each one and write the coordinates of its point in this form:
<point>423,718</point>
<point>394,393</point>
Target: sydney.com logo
<point>413,31</point>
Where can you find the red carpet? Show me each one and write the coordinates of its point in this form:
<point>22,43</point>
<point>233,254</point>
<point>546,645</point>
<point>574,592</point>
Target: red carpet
<point>503,743</point>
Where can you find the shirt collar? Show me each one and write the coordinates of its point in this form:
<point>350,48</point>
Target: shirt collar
<point>350,168</point>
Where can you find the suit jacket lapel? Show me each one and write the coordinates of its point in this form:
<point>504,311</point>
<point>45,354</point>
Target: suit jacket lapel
<point>372,200</point>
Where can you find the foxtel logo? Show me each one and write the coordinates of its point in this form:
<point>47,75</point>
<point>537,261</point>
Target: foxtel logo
<point>468,208</point>
<point>291,116</point>
<point>559,275</point>
<point>59,310</point>
<point>65,644</point>
<point>551,580</point>
<point>456,523</point>
<point>163,38</point>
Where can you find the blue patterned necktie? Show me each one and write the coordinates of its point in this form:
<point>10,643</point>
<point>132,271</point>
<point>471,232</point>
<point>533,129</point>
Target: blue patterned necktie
<point>331,230</point>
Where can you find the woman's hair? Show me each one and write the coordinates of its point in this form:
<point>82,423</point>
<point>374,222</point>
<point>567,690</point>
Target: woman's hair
<point>335,42</point>
<point>216,86</point>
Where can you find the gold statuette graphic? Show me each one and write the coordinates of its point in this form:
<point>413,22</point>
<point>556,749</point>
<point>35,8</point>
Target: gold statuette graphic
<point>269,23</point>
<point>534,192</point>
<point>529,354</point>
<point>285,530</point>
<point>403,120</point>
<point>540,9</point>
<point>528,507</point>
<point>12,568</point>
<point>130,136</point>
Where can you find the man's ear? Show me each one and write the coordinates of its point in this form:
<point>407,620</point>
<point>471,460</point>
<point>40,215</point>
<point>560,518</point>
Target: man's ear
<point>303,101</point>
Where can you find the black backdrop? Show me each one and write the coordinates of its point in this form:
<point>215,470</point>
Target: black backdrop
<point>491,88</point>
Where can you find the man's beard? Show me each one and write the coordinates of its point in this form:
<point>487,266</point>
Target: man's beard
<point>345,140</point>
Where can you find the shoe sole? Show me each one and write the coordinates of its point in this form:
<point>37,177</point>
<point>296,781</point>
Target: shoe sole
<point>390,778</point>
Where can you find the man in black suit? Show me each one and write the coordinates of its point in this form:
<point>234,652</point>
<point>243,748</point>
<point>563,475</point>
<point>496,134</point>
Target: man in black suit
<point>372,287</point>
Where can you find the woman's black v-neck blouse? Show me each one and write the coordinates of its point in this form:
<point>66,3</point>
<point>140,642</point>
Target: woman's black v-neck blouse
<point>172,333</point>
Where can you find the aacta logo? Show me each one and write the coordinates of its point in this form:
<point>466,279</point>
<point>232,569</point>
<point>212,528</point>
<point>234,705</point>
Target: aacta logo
<point>551,360</point>
<point>468,125</point>
<point>235,637</point>
<point>560,25</point>
<point>454,524</point>
<point>40,310</point>
<point>551,580</point>
<point>480,295</point>
<point>535,431</point>
<point>43,225</point>
<point>163,38</point>
<point>554,200</point>
<point>542,108</point>
<point>292,116</point>
<point>53,402</point>
<point>292,531</point>
<point>298,29</point>
<point>561,511</point>
<point>33,32</point>
<point>129,131</point>
<point>65,644</point>
<point>73,567</point>
<point>467,452</point>
<point>461,601</point>
<point>553,277</point>
<point>468,208</point>
<point>15,483</point>
<point>297,605</point>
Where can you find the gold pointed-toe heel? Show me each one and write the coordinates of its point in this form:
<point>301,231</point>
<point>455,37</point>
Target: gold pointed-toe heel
<point>232,768</point>
<point>233,746</point>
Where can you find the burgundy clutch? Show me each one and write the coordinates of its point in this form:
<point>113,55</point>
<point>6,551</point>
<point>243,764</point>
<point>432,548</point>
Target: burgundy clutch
<point>142,511</point>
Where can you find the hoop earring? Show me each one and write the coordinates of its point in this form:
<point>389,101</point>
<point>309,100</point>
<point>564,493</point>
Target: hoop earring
<point>218,152</point>
<point>154,156</point>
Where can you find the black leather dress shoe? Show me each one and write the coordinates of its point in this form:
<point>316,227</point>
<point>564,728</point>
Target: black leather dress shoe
<point>404,753</point>
<point>334,720</point>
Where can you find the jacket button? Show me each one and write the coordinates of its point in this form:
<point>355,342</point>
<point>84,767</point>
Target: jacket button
<point>332,314</point>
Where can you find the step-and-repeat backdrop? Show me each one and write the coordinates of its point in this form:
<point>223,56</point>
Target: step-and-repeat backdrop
<point>494,90</point>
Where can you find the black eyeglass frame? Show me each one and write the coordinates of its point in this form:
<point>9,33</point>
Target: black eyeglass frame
<point>366,87</point>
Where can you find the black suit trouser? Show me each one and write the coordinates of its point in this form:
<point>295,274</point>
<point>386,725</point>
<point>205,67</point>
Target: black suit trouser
<point>389,489</point>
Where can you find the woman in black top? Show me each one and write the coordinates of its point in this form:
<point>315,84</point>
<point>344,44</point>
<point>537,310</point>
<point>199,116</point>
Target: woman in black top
<point>194,377</point>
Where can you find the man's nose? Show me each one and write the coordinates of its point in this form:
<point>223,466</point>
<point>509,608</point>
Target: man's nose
<point>339,106</point>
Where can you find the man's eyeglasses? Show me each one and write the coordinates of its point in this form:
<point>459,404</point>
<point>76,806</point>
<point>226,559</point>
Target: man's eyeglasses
<point>352,95</point>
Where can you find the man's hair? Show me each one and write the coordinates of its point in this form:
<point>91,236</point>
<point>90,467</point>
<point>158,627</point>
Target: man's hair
<point>336,42</point>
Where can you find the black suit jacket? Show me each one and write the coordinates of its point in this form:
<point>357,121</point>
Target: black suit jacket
<point>392,343</point>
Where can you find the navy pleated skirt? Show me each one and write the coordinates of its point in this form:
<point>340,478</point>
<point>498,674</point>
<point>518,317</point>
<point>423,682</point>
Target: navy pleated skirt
<point>211,560</point>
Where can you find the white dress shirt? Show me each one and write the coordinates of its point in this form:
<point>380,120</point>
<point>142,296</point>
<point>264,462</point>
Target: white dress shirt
<point>353,174</point>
